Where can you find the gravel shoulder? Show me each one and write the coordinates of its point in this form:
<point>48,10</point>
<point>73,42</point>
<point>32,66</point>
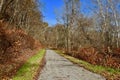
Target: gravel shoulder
<point>59,68</point>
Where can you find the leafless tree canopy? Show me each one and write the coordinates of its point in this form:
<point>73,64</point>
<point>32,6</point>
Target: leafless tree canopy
<point>99,30</point>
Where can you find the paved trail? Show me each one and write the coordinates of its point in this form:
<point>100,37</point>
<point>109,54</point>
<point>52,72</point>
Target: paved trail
<point>59,68</point>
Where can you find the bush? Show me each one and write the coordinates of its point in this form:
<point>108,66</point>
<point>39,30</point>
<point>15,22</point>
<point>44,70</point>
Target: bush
<point>96,57</point>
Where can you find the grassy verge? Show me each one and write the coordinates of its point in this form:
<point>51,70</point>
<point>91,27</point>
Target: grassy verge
<point>109,73</point>
<point>29,69</point>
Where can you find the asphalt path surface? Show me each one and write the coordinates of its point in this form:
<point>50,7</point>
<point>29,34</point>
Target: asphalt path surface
<point>59,68</point>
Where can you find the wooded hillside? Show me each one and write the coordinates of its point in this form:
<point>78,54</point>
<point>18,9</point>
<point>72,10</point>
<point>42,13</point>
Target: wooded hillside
<point>20,30</point>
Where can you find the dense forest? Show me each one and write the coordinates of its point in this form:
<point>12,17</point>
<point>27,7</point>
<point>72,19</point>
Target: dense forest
<point>94,38</point>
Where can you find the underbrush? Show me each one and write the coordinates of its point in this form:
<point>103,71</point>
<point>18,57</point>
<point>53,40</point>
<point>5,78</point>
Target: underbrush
<point>96,57</point>
<point>16,47</point>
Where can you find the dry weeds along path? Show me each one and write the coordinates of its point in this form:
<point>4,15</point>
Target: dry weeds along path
<point>59,68</point>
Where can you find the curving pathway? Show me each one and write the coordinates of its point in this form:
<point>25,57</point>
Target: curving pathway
<point>59,68</point>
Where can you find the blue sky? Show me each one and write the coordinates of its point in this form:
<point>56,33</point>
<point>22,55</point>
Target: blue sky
<point>49,7</point>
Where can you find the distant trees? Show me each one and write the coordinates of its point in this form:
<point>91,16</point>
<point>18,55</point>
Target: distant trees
<point>55,36</point>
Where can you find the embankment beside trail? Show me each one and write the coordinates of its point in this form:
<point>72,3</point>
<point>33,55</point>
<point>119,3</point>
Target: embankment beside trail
<point>16,47</point>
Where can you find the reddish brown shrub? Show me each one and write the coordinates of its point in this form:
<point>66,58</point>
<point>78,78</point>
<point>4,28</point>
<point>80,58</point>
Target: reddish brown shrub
<point>96,57</point>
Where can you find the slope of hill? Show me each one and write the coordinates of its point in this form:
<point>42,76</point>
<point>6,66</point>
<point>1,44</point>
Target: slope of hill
<point>15,48</point>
